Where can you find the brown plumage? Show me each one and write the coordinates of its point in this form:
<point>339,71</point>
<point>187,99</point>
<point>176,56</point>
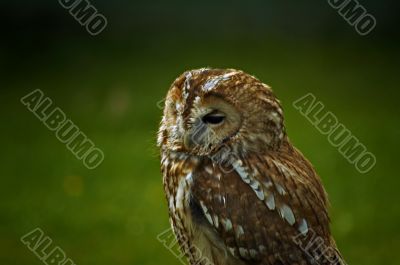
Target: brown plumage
<point>238,191</point>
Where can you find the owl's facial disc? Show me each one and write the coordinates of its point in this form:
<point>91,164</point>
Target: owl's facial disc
<point>212,122</point>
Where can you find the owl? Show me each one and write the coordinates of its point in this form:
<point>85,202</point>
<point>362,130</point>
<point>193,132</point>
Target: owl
<point>238,192</point>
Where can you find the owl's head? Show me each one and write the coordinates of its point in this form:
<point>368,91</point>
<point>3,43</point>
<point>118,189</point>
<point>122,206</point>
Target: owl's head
<point>207,109</point>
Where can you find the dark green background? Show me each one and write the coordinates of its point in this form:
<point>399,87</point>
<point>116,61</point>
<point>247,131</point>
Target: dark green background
<point>109,85</point>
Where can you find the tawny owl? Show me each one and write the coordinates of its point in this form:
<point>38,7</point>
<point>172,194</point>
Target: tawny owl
<point>238,192</point>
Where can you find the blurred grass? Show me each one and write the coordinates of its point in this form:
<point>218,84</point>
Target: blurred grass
<point>112,215</point>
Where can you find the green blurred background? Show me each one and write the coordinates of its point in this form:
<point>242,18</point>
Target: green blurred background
<point>110,84</point>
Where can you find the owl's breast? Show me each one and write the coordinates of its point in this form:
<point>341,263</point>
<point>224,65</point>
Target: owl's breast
<point>200,240</point>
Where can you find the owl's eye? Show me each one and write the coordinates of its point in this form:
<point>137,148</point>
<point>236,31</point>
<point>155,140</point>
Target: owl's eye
<point>213,118</point>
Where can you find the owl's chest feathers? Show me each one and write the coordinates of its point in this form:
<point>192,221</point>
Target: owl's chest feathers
<point>188,213</point>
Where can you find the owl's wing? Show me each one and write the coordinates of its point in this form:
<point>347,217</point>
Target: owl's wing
<point>268,210</point>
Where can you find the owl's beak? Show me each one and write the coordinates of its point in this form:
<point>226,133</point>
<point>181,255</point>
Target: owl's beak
<point>195,136</point>
<point>187,141</point>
